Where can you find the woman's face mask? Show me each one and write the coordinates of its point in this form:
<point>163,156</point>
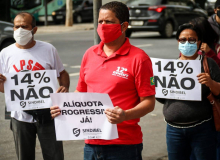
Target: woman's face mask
<point>188,49</point>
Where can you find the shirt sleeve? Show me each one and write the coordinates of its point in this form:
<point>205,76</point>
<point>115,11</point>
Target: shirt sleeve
<point>144,79</point>
<point>82,86</point>
<point>58,65</point>
<point>214,71</point>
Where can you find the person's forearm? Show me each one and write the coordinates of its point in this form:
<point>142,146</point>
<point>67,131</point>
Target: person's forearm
<point>2,81</point>
<point>2,87</point>
<point>64,79</point>
<point>144,107</point>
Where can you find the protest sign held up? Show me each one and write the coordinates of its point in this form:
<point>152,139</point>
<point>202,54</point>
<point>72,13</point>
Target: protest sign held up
<point>82,116</point>
<point>177,79</point>
<point>30,90</point>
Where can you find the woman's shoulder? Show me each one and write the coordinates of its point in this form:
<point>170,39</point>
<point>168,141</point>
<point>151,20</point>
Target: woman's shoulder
<point>213,66</point>
<point>211,62</point>
<point>214,69</point>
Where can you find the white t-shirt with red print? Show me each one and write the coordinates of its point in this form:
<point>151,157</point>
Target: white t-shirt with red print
<point>42,56</point>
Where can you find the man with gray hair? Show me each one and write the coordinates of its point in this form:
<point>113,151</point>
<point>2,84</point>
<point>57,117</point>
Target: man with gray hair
<point>29,54</point>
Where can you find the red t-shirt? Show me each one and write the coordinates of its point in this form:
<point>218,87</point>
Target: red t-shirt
<point>125,76</point>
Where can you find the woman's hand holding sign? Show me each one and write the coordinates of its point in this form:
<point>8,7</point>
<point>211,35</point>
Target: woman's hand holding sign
<point>204,78</point>
<point>115,115</point>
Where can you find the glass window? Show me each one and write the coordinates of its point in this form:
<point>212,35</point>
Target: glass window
<point>183,2</point>
<point>25,4</point>
<point>91,2</point>
<point>190,3</point>
<point>143,2</point>
<point>164,2</point>
<point>173,2</point>
<point>77,2</point>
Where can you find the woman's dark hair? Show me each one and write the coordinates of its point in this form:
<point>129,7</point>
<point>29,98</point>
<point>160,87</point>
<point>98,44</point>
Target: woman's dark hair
<point>189,26</point>
<point>209,35</point>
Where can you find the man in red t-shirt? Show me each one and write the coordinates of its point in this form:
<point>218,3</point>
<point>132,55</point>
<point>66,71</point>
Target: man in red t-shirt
<point>125,73</point>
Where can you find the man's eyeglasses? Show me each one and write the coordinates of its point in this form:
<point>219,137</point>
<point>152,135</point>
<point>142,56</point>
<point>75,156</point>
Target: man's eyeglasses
<point>190,40</point>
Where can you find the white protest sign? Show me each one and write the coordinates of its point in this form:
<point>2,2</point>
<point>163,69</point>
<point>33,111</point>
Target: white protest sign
<point>82,116</point>
<point>30,90</point>
<point>177,79</point>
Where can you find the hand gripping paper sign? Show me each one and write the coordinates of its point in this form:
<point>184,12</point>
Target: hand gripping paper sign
<point>177,79</point>
<point>29,90</point>
<point>82,116</point>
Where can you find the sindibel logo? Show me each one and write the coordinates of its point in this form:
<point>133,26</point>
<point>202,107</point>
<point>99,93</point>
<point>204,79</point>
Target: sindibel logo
<point>76,132</point>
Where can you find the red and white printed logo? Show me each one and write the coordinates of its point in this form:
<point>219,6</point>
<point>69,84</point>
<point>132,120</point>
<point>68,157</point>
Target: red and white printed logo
<point>29,65</point>
<point>120,72</point>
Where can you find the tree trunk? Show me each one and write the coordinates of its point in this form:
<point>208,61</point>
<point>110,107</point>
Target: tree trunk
<point>69,13</point>
<point>96,6</point>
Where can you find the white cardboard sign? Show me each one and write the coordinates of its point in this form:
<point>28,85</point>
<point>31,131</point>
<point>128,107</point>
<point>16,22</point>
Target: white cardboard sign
<point>30,90</point>
<point>82,116</point>
<point>177,79</point>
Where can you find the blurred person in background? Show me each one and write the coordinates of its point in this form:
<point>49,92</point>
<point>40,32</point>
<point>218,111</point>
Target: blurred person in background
<point>214,20</point>
<point>210,39</point>
<point>209,47</point>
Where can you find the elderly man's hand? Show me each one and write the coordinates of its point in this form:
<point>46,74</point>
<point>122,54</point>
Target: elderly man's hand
<point>54,111</point>
<point>2,78</point>
<point>115,115</point>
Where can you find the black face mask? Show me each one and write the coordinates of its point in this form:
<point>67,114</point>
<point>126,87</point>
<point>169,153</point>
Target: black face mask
<point>218,13</point>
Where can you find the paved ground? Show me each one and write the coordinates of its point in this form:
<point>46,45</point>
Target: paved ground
<point>62,28</point>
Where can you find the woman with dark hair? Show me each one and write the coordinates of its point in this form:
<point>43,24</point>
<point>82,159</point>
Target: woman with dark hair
<point>190,126</point>
<point>209,46</point>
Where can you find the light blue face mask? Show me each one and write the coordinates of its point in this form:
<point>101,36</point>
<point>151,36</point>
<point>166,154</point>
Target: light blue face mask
<point>188,49</point>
